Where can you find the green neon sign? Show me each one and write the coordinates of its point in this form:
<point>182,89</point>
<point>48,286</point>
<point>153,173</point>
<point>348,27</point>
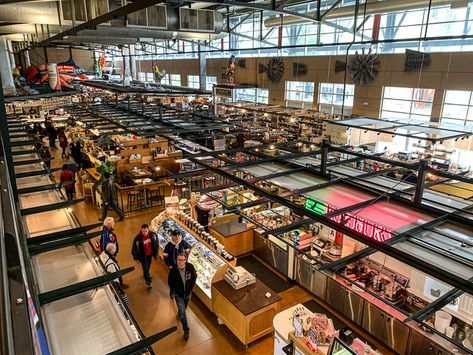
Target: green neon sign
<point>314,206</point>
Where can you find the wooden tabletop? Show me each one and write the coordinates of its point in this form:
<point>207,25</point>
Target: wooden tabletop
<point>93,173</point>
<point>139,173</point>
<point>230,227</point>
<point>248,299</point>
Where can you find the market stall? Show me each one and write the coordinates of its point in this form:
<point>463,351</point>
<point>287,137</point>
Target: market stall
<point>209,264</point>
<point>236,237</point>
<point>247,312</point>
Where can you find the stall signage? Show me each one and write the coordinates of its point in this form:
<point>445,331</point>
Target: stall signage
<point>351,221</point>
<point>223,92</point>
<point>314,206</point>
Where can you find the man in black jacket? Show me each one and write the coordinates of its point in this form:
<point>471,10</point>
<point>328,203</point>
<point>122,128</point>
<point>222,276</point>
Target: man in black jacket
<point>181,281</point>
<point>109,197</point>
<point>145,246</point>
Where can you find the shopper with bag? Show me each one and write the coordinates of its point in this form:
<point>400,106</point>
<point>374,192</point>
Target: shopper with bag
<point>181,281</point>
<point>144,248</point>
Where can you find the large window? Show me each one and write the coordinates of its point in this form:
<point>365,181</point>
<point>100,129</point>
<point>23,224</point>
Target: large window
<point>457,107</point>
<point>142,76</point>
<point>262,96</point>
<point>211,81</point>
<point>176,79</point>
<point>299,91</point>
<point>252,95</point>
<point>149,77</point>
<point>165,80</point>
<point>193,81</point>
<point>414,104</point>
<point>407,104</point>
<point>331,97</point>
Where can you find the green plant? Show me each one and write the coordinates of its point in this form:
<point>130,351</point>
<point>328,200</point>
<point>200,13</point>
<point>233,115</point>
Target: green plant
<point>106,167</point>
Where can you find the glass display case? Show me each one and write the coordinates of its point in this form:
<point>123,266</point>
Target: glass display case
<point>164,238</point>
<point>206,264</point>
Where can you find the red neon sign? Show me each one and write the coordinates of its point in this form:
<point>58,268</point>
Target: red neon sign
<point>361,225</point>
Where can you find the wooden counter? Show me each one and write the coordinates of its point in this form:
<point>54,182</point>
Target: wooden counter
<point>247,312</point>
<point>301,348</point>
<point>237,238</point>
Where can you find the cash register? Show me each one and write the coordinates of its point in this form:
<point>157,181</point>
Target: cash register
<point>238,277</point>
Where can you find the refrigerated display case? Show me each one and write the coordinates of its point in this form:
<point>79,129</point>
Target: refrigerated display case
<point>164,238</point>
<point>210,268</point>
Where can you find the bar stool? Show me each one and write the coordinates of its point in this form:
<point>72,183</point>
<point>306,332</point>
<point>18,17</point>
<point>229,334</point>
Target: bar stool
<point>87,190</point>
<point>155,196</point>
<point>135,200</point>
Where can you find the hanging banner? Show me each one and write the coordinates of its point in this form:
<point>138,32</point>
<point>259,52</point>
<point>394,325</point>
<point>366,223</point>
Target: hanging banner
<point>53,76</point>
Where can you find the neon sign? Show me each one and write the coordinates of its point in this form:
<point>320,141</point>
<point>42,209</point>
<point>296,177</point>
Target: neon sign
<point>314,206</point>
<point>353,222</point>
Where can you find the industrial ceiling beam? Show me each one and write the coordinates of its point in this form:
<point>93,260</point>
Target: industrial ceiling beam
<point>91,24</point>
<point>408,259</point>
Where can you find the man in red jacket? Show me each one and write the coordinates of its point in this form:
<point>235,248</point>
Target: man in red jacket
<point>145,247</point>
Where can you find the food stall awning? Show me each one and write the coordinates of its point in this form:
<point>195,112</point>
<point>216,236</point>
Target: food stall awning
<point>393,216</point>
<point>339,196</point>
<point>416,129</point>
<point>448,246</point>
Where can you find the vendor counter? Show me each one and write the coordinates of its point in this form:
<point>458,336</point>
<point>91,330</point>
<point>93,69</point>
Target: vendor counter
<point>285,334</point>
<point>377,317</point>
<point>247,312</point>
<point>236,237</point>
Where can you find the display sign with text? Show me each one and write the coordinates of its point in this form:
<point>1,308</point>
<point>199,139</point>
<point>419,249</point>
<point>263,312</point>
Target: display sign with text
<point>351,221</point>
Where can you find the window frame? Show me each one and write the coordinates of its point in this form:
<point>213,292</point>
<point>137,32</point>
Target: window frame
<point>288,90</point>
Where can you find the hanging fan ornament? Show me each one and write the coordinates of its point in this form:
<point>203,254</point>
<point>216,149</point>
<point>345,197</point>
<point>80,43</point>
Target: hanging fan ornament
<point>364,67</point>
<point>275,69</point>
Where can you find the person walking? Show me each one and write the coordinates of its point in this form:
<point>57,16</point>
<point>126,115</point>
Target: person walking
<point>111,264</point>
<point>52,135</point>
<point>76,154</point>
<point>181,281</point>
<point>107,236</point>
<point>144,248</point>
<point>68,181</point>
<point>109,198</point>
<point>63,143</point>
<point>173,248</point>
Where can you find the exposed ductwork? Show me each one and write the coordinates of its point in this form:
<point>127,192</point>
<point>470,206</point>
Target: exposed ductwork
<point>372,8</point>
<point>136,33</point>
<point>32,12</point>
<point>156,22</point>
